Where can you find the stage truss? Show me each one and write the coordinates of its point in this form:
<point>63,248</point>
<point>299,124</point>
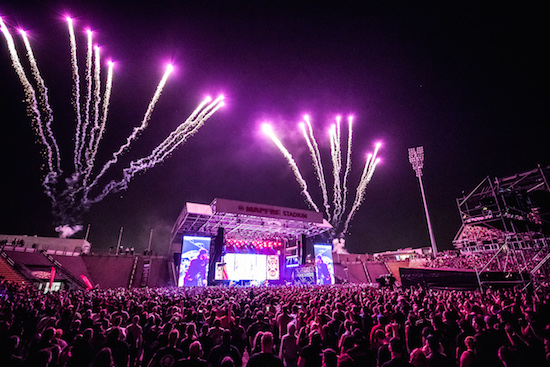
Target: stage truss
<point>202,219</point>
<point>508,217</point>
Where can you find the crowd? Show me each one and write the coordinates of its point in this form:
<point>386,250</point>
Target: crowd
<point>513,261</point>
<point>292,326</point>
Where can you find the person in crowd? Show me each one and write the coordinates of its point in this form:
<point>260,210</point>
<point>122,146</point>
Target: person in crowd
<point>468,357</point>
<point>360,352</point>
<point>435,356</point>
<point>10,351</point>
<point>195,357</point>
<point>190,337</point>
<point>119,348</point>
<point>216,332</point>
<point>103,358</point>
<point>399,357</point>
<point>238,335</point>
<point>134,339</point>
<point>206,340</point>
<point>418,358</point>
<point>82,350</point>
<point>310,355</point>
<point>67,328</point>
<point>288,351</point>
<point>169,355</point>
<point>256,346</point>
<point>259,325</point>
<point>224,349</point>
<point>330,358</point>
<point>265,358</point>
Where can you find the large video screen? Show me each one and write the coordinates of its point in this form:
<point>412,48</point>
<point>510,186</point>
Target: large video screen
<point>324,266</point>
<point>253,267</point>
<point>195,253</point>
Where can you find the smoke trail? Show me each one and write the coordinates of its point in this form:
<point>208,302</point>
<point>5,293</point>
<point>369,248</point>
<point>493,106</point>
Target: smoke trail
<point>184,127</point>
<point>268,130</point>
<point>159,153</point>
<point>66,231</point>
<point>338,151</point>
<point>340,183</point>
<point>358,194</point>
<point>69,204</point>
<point>337,200</point>
<point>198,122</point>
<point>53,154</point>
<point>76,95</point>
<point>32,110</point>
<point>88,96</point>
<point>137,130</point>
<point>106,102</point>
<point>368,171</point>
<point>348,168</point>
<point>319,166</point>
<point>96,102</point>
<point>316,166</point>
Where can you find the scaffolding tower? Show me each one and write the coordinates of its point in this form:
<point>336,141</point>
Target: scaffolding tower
<point>508,218</point>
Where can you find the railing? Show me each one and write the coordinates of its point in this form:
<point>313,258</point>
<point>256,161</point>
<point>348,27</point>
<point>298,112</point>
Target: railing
<point>59,267</point>
<point>133,273</point>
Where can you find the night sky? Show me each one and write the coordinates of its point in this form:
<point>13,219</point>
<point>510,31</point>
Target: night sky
<point>464,79</point>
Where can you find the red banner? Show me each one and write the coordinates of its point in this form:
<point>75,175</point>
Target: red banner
<point>52,277</point>
<point>87,281</point>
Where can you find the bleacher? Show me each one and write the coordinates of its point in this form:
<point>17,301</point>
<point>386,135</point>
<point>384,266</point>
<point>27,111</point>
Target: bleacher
<point>107,271</point>
<point>9,274</point>
<point>376,269</point>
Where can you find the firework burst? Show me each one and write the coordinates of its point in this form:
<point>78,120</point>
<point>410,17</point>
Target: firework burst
<point>335,214</point>
<point>73,193</point>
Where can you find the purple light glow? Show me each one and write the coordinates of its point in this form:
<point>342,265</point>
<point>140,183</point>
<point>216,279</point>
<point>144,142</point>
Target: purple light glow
<point>267,128</point>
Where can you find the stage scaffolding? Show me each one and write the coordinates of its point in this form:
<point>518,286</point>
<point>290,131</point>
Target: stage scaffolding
<point>506,223</point>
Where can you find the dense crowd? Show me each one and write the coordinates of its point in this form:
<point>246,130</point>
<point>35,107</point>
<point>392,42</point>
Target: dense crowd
<point>524,260</point>
<point>329,326</point>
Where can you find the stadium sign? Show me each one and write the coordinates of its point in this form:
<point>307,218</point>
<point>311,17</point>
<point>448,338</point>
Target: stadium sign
<point>276,212</point>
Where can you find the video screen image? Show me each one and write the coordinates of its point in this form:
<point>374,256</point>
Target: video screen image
<point>195,254</point>
<point>324,266</point>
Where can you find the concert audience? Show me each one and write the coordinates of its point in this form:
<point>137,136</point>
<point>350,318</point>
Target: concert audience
<point>325,326</point>
<point>505,260</point>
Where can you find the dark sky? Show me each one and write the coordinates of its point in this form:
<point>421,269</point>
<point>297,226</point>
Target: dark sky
<point>464,79</point>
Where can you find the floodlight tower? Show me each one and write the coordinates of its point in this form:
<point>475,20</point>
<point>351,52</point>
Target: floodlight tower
<point>416,158</point>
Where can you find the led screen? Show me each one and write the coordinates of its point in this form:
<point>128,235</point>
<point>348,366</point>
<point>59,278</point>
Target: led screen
<point>250,267</point>
<point>324,266</point>
<point>194,261</point>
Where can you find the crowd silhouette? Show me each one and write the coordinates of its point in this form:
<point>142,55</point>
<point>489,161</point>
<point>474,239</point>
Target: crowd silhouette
<point>291,326</point>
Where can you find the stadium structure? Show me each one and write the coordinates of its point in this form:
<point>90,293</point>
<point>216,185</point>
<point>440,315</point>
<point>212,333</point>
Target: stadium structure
<point>505,233</point>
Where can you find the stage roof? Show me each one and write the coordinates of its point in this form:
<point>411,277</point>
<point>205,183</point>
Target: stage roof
<point>247,221</point>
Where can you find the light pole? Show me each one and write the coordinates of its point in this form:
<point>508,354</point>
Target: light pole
<point>118,243</point>
<point>416,158</point>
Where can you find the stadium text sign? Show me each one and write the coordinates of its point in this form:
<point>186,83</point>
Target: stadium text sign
<point>241,207</point>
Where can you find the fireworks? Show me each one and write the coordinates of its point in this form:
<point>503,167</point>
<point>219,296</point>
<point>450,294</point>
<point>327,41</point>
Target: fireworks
<point>340,184</point>
<point>268,130</point>
<point>72,194</point>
